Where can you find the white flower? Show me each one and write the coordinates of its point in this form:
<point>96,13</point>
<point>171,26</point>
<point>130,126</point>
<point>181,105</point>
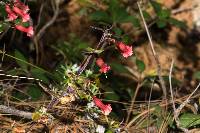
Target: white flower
<point>75,68</point>
<point>90,105</point>
<point>95,115</point>
<point>43,110</point>
<point>100,129</point>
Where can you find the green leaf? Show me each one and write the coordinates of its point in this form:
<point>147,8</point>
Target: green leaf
<point>109,131</point>
<point>113,7</point>
<point>126,39</point>
<point>37,73</point>
<point>111,95</point>
<point>157,6</point>
<point>197,75</point>
<point>2,11</point>
<point>164,14</point>
<point>188,120</point>
<point>118,67</point>
<point>135,21</point>
<point>100,16</point>
<point>161,23</point>
<point>20,56</point>
<point>177,23</point>
<point>91,50</point>
<point>17,71</point>
<point>34,92</point>
<point>140,65</point>
<point>17,21</point>
<point>117,31</point>
<point>19,95</point>
<point>120,15</point>
<point>146,15</point>
<point>26,24</point>
<point>1,27</point>
<point>4,26</point>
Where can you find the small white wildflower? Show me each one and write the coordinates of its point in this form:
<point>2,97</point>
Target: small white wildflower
<point>95,115</point>
<point>88,117</point>
<point>91,116</point>
<point>196,106</point>
<point>100,129</point>
<point>43,110</point>
<point>90,105</point>
<point>88,72</point>
<point>118,130</point>
<point>75,68</point>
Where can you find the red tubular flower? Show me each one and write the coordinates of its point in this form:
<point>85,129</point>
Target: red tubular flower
<point>125,50</point>
<point>106,109</point>
<point>20,4</point>
<point>11,15</point>
<point>99,62</point>
<point>104,68</point>
<point>28,30</point>
<point>25,16</point>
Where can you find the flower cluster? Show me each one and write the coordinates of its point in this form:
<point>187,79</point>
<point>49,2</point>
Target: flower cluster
<point>19,10</point>
<point>103,66</point>
<point>106,109</point>
<point>124,49</point>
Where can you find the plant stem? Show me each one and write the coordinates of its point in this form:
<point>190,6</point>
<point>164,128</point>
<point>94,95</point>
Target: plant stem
<point>159,69</point>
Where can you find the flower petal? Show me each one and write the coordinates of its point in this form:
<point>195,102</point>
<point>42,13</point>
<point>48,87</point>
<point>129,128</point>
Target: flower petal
<point>125,50</point>
<point>106,109</point>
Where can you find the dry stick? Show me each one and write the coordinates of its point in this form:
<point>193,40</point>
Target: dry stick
<point>13,111</point>
<point>43,29</point>
<point>176,114</point>
<point>3,53</point>
<point>187,100</point>
<point>159,70</point>
<point>178,110</point>
<point>181,10</point>
<point>149,102</point>
<point>39,16</point>
<point>149,111</point>
<point>53,19</point>
<point>170,86</point>
<point>138,116</point>
<point>133,101</point>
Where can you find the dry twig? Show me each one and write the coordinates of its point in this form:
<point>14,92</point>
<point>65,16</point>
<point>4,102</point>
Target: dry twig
<point>53,19</point>
<point>13,111</point>
<point>159,69</point>
<point>139,85</point>
<point>178,110</point>
<point>173,103</point>
<point>43,29</point>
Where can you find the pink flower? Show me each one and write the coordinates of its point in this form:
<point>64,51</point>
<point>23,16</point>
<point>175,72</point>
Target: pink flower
<point>99,62</point>
<point>106,109</point>
<point>21,5</point>
<point>125,50</point>
<point>11,15</point>
<point>25,16</point>
<point>28,30</point>
<point>104,68</point>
